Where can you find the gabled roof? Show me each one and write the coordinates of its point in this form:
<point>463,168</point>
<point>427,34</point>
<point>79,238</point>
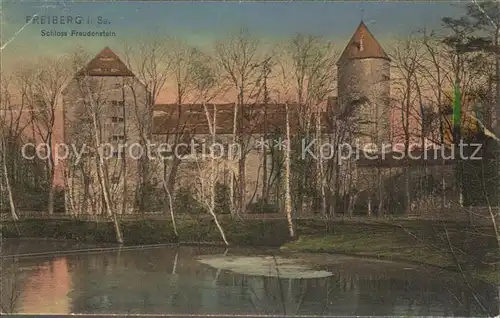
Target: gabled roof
<point>258,118</point>
<point>106,63</point>
<point>363,45</point>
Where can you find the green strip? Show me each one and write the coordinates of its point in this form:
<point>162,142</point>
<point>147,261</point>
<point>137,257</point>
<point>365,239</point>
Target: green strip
<point>456,107</point>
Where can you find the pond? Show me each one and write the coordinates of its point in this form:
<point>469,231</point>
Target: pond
<point>61,278</point>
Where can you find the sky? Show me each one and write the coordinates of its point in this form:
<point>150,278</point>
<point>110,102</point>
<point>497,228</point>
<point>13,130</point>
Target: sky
<point>202,23</point>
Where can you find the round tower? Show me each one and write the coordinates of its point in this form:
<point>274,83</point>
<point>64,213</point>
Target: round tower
<point>364,87</point>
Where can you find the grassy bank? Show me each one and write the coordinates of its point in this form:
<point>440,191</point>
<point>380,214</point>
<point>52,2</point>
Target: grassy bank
<point>238,232</point>
<point>416,241</point>
<point>422,242</point>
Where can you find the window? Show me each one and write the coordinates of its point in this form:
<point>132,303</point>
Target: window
<point>118,138</point>
<point>115,180</point>
<point>118,102</point>
<point>117,119</point>
<point>118,85</point>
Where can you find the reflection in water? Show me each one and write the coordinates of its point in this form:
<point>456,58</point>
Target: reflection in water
<point>26,282</point>
<point>52,280</point>
<point>170,280</point>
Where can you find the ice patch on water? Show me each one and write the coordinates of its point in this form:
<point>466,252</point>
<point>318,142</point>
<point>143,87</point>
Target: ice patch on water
<point>264,266</point>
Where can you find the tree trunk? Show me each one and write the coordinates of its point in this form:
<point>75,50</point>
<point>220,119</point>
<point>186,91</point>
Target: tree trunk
<point>172,176</point>
<point>380,193</point>
<point>288,197</point>
<point>50,203</point>
<point>231,192</point>
<point>264,178</point>
<point>219,227</point>
<point>241,182</point>
<point>103,171</point>
<point>171,207</point>
<point>124,159</point>
<point>335,192</point>
<point>125,189</point>
<point>242,161</point>
<point>168,186</point>
<point>51,175</point>
<point>407,190</point>
<point>119,235</point>
<point>265,185</point>
<point>369,208</point>
<point>51,192</point>
<point>86,190</point>
<point>497,127</point>
<point>12,204</point>
<point>214,173</point>
<point>352,204</point>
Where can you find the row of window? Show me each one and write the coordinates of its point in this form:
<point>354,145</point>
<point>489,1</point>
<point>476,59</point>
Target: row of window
<point>105,70</point>
<point>116,119</point>
<point>118,138</point>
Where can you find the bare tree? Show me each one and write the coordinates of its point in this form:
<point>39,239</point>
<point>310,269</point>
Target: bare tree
<point>267,66</point>
<point>90,96</point>
<point>288,195</point>
<point>209,172</point>
<point>44,87</point>
<point>6,114</point>
<point>433,73</point>
<point>152,64</point>
<point>285,88</point>
<point>310,66</point>
<point>207,85</point>
<point>190,86</point>
<point>407,56</point>
<point>240,62</point>
<point>195,80</point>
<point>18,171</point>
<point>11,288</point>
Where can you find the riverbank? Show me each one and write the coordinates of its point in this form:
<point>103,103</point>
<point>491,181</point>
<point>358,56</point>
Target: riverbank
<point>451,246</point>
<point>271,233</point>
<point>425,242</point>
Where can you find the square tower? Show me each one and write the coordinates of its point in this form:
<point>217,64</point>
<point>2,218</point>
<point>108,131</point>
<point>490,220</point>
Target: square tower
<point>107,121</point>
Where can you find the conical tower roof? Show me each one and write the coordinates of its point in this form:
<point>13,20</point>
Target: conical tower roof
<point>363,45</point>
<point>106,63</point>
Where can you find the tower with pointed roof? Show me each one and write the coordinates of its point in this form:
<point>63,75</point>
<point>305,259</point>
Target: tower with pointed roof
<point>364,86</point>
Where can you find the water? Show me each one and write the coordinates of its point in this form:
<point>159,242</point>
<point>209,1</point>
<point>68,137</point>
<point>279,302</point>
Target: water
<point>171,280</point>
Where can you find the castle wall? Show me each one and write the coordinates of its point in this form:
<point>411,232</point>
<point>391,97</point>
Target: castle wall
<point>196,168</point>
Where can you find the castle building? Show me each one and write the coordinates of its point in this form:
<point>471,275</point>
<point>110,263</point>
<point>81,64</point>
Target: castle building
<point>106,104</point>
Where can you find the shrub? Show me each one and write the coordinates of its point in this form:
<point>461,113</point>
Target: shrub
<point>222,200</point>
<point>185,202</point>
<point>239,232</point>
<point>153,200</point>
<point>261,207</point>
